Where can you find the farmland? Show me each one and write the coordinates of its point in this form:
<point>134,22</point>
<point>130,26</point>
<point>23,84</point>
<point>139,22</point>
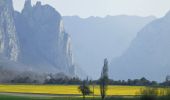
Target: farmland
<point>66,92</point>
<point>68,89</point>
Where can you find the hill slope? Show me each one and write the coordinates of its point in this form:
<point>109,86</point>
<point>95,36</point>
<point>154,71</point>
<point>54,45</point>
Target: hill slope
<point>95,38</point>
<point>148,54</point>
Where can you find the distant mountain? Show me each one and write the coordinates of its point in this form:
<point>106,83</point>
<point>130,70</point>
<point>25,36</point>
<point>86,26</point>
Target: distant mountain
<point>34,40</point>
<point>95,38</point>
<point>148,55</point>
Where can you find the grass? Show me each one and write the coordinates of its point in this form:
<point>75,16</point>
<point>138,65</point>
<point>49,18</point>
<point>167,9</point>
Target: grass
<point>68,89</point>
<point>6,97</point>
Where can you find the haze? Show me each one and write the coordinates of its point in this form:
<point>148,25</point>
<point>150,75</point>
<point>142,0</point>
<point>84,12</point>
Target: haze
<point>86,8</point>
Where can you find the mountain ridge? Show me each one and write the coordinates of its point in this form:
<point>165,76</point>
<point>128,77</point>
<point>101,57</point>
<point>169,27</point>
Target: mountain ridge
<point>96,38</point>
<point>147,55</point>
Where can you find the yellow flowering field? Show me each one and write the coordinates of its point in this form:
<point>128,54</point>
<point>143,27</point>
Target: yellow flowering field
<point>68,89</point>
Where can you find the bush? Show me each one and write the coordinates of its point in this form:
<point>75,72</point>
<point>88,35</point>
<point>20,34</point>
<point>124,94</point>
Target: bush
<point>149,94</point>
<point>166,95</point>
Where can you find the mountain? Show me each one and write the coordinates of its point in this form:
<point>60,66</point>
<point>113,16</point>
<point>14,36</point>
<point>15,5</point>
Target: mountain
<point>8,35</point>
<point>96,38</point>
<point>43,41</point>
<point>34,40</point>
<point>148,55</point>
<point>9,44</point>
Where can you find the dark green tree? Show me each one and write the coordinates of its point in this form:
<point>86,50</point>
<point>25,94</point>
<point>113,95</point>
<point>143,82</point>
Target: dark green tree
<point>104,79</point>
<point>84,89</point>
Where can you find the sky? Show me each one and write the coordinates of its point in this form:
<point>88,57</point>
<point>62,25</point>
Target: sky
<point>101,8</point>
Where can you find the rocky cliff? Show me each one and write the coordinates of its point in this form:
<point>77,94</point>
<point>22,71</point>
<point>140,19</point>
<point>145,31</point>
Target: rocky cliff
<point>9,46</point>
<point>35,38</point>
<point>44,42</point>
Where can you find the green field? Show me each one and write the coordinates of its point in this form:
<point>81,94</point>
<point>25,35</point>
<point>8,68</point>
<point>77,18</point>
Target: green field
<point>6,97</point>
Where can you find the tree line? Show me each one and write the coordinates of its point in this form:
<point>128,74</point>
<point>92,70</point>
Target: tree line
<point>130,82</point>
<point>77,81</point>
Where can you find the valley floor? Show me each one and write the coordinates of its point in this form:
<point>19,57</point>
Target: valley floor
<point>12,97</point>
<point>66,92</point>
<point>42,97</point>
<point>69,90</point>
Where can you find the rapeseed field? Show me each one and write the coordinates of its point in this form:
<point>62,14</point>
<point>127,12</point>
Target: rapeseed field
<point>68,89</point>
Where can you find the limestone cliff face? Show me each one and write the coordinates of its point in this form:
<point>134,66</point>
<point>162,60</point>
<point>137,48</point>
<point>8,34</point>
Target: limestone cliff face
<point>35,38</point>
<point>8,36</point>
<point>43,40</point>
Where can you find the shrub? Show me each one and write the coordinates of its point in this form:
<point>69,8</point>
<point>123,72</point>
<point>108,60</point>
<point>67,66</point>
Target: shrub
<point>149,94</point>
<point>166,95</point>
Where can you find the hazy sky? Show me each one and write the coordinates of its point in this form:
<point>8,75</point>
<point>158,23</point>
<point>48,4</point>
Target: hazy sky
<point>86,8</point>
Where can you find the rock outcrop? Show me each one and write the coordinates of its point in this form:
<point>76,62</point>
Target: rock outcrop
<point>43,40</point>
<point>34,38</point>
<point>9,46</point>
